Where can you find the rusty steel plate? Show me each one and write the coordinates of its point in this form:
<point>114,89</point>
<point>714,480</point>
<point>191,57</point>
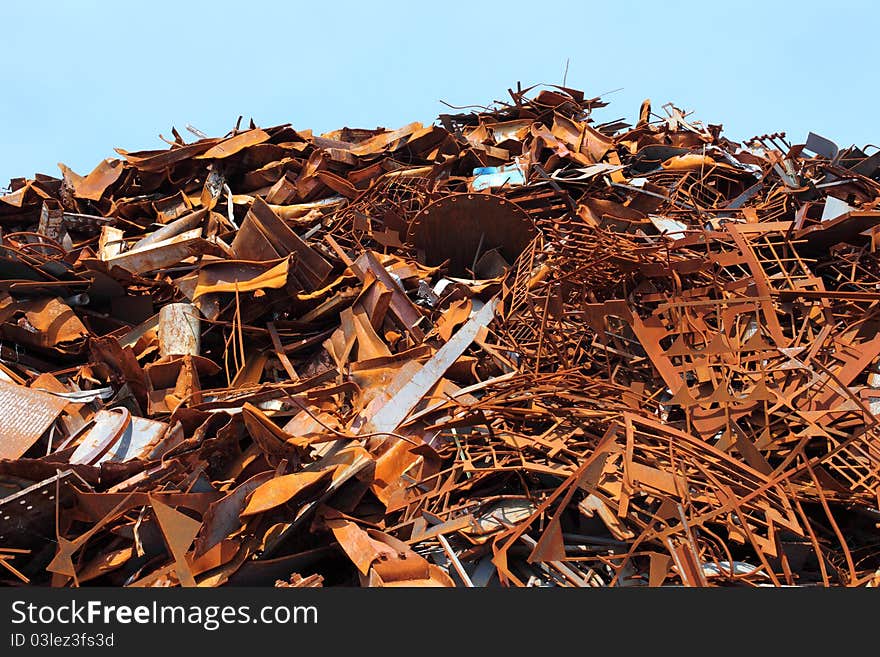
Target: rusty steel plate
<point>25,414</point>
<point>461,228</point>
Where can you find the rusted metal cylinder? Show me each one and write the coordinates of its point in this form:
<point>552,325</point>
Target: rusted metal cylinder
<point>179,330</point>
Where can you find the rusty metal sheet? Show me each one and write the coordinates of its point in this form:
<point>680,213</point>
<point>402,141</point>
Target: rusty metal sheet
<point>237,277</point>
<point>281,490</point>
<point>168,252</point>
<point>235,144</point>
<point>92,187</point>
<point>25,417</point>
<point>27,516</point>
<point>459,228</point>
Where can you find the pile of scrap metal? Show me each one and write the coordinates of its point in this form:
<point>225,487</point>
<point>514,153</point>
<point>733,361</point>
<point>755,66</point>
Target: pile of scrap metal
<point>517,347</point>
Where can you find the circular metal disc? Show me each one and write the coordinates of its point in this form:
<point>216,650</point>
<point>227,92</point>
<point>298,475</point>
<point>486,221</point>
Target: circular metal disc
<point>457,226</point>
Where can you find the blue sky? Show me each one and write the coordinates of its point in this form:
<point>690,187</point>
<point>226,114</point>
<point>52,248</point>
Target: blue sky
<point>82,77</point>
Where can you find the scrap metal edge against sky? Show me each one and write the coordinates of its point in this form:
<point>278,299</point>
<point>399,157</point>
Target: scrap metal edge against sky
<point>514,348</point>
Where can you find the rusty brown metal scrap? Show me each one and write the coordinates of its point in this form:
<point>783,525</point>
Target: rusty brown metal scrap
<point>517,347</point>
